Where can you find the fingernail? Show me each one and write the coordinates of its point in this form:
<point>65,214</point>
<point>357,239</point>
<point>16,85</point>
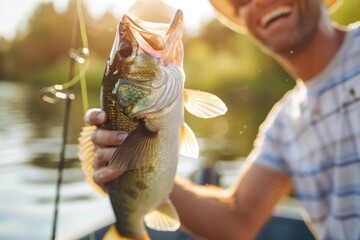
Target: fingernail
<point>101,175</point>
<point>101,116</point>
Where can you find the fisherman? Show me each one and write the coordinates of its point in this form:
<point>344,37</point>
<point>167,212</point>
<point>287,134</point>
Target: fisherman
<point>309,143</point>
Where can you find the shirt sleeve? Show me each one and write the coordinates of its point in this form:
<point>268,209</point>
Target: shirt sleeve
<point>267,150</point>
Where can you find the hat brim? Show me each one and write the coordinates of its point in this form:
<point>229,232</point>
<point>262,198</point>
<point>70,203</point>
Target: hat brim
<point>227,16</point>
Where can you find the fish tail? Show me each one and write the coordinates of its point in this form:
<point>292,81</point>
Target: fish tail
<point>113,234</point>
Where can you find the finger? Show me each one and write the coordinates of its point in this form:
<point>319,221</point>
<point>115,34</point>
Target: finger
<point>105,137</point>
<point>102,157</point>
<point>105,175</point>
<point>95,116</point>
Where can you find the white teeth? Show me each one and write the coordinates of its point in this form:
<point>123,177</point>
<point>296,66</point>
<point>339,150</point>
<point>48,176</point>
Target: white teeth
<point>274,14</point>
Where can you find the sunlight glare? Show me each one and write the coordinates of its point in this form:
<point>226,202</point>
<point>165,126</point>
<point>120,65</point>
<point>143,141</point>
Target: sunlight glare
<point>196,13</point>
<point>16,13</point>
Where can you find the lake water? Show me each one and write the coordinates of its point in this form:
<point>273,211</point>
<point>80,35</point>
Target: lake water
<point>30,137</point>
<point>30,143</point>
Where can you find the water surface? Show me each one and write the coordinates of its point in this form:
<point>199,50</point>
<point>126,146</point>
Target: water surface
<point>30,138</point>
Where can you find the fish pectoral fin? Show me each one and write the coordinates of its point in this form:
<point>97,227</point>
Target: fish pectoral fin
<point>203,104</point>
<point>138,149</point>
<point>189,146</point>
<point>163,218</point>
<point>86,150</point>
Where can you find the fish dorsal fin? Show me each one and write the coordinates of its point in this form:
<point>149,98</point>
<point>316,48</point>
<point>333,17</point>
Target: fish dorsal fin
<point>163,218</point>
<point>203,104</point>
<point>139,147</point>
<point>86,150</point>
<point>154,40</point>
<point>189,146</point>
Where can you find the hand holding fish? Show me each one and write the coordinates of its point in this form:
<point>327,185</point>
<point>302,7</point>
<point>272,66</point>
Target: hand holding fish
<point>105,142</point>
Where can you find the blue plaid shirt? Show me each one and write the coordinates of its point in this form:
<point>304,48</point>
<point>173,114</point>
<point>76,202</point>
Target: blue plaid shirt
<point>313,135</point>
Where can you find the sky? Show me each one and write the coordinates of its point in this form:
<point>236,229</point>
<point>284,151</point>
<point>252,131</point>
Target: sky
<point>14,13</point>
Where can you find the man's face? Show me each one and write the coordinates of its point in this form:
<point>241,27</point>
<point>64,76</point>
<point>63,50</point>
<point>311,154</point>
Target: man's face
<point>281,26</point>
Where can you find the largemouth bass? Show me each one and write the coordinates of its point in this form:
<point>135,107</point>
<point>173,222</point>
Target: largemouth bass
<point>143,93</point>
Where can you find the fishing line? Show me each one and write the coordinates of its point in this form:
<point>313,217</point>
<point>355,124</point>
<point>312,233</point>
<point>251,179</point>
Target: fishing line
<point>65,129</point>
<point>85,51</point>
<point>56,92</point>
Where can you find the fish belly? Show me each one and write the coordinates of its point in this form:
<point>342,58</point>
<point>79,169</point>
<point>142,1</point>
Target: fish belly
<point>135,194</point>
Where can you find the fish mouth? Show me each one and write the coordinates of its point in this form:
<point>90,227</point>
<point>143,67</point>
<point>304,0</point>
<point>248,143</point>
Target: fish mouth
<point>274,15</point>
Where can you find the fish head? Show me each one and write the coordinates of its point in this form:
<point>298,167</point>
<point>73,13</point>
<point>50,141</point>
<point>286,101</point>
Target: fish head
<point>144,77</point>
<point>135,69</point>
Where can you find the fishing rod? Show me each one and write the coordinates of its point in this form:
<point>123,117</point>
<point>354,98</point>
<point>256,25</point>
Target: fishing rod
<point>54,93</point>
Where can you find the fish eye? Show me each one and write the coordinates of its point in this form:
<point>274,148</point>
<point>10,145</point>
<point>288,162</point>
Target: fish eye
<point>125,49</point>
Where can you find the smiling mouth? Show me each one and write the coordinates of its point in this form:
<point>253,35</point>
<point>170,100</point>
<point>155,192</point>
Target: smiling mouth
<point>274,15</point>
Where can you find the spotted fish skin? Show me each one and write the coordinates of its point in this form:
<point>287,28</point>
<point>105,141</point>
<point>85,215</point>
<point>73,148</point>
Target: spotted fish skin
<point>136,192</point>
<point>130,99</point>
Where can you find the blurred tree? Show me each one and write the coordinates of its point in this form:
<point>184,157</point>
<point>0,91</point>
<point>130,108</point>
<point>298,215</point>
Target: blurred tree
<point>47,40</point>
<point>101,34</point>
<point>4,46</point>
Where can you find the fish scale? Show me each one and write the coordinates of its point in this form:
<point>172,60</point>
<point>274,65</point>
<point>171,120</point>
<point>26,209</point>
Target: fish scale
<point>116,120</point>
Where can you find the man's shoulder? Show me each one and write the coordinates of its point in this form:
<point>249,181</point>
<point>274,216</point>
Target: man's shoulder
<point>282,104</point>
<point>282,108</point>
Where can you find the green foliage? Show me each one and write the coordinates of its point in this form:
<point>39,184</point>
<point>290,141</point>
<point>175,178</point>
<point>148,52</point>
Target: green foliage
<point>55,73</point>
<point>47,41</point>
